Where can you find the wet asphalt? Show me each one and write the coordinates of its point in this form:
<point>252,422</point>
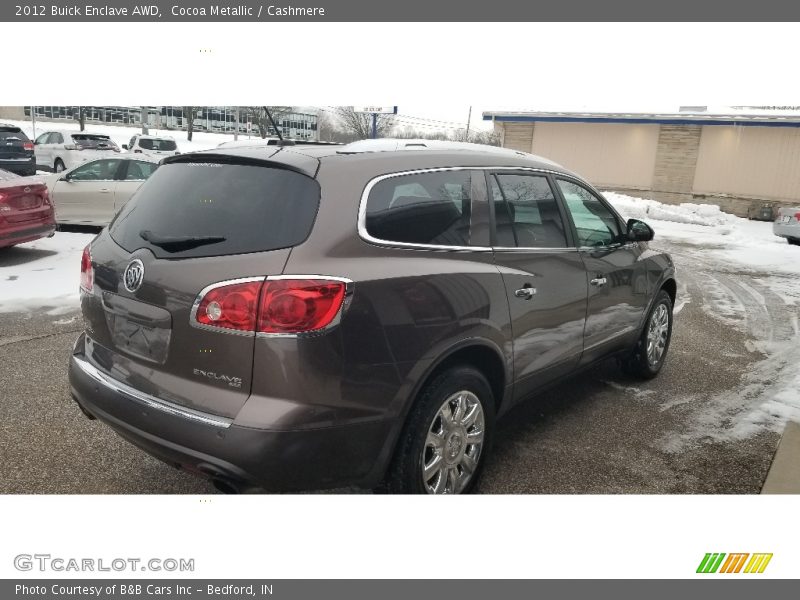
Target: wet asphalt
<point>600,432</point>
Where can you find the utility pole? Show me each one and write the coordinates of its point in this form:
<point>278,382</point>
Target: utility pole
<point>33,120</point>
<point>374,125</point>
<point>236,130</point>
<point>469,118</point>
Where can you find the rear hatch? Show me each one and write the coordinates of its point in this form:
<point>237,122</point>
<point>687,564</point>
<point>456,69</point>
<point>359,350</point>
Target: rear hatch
<point>14,144</point>
<point>196,222</point>
<point>23,201</point>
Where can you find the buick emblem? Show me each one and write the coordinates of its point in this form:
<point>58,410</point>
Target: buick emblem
<point>133,276</point>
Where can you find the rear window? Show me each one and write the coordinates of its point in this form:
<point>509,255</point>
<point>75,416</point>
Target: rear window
<point>421,208</point>
<point>92,141</point>
<point>189,210</point>
<point>10,134</point>
<point>147,144</point>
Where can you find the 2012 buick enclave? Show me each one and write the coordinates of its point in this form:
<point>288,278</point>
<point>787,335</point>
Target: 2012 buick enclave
<point>309,317</point>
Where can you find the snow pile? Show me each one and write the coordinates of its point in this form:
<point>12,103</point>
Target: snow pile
<point>708,215</point>
<point>44,274</point>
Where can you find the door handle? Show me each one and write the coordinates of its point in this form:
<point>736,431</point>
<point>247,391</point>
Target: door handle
<point>526,293</point>
<point>599,281</point>
<point>104,190</point>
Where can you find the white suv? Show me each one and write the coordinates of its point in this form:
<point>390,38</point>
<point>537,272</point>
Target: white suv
<point>152,145</point>
<point>60,150</point>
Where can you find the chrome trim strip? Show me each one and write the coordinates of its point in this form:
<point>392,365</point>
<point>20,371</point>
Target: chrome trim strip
<point>362,209</point>
<point>151,401</point>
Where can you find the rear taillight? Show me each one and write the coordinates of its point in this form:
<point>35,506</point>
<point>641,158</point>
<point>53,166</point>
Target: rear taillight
<point>73,147</point>
<point>87,272</point>
<point>797,216</point>
<point>272,306</point>
<point>230,306</point>
<point>27,146</point>
<point>299,305</point>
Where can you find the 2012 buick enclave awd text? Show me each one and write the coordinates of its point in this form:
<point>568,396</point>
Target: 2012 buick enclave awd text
<point>311,317</point>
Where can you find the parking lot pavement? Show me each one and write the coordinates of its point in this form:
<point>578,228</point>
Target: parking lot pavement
<point>694,429</point>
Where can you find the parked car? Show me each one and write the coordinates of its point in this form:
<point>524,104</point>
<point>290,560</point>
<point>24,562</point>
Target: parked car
<point>787,225</point>
<point>93,192</point>
<point>26,213</point>
<point>356,315</point>
<point>16,151</point>
<point>58,151</point>
<point>763,211</point>
<point>151,145</point>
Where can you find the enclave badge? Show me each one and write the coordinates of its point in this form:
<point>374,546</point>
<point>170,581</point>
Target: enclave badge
<point>133,276</point>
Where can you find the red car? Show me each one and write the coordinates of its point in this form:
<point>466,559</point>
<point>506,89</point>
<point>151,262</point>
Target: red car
<point>26,213</point>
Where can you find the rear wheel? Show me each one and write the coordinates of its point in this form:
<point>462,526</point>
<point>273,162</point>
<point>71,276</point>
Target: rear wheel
<point>794,241</point>
<point>58,167</point>
<point>447,436</point>
<point>648,355</point>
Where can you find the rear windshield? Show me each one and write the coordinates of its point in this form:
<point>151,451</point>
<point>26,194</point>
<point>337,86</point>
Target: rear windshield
<point>12,135</point>
<point>92,141</point>
<point>158,144</point>
<point>211,209</point>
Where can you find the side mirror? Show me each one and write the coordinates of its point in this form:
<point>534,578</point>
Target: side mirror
<point>639,231</point>
<point>124,146</point>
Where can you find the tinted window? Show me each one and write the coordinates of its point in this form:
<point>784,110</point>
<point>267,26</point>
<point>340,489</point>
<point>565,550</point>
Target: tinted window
<point>596,225</point>
<point>148,144</point>
<point>421,208</point>
<point>93,141</point>
<point>224,208</point>
<point>42,139</point>
<point>12,135</point>
<point>55,138</point>
<point>138,170</point>
<point>526,213</point>
<point>97,170</point>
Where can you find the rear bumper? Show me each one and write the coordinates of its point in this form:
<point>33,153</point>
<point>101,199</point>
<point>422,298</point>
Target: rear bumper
<point>19,234</point>
<point>787,230</point>
<point>20,167</point>
<point>219,448</point>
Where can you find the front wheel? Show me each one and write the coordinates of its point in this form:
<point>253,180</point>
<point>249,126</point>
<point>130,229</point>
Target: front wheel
<point>58,166</point>
<point>648,355</point>
<point>447,436</point>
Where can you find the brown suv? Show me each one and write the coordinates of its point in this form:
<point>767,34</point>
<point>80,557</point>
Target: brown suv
<point>308,317</point>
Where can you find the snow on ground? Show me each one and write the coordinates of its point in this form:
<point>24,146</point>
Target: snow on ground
<point>42,275</point>
<point>201,140</point>
<point>750,280</point>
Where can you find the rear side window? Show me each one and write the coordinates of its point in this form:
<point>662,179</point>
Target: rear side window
<point>211,209</point>
<point>422,208</point>
<point>149,144</point>
<point>526,213</point>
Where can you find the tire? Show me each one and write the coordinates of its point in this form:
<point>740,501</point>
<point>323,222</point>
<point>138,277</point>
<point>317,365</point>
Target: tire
<point>793,241</point>
<point>645,361</point>
<point>58,166</point>
<point>459,390</point>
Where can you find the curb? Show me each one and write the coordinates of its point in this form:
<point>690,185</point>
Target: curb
<point>784,474</point>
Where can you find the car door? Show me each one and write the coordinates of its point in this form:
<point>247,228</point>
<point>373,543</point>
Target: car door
<point>543,274</point>
<point>85,194</point>
<point>42,151</point>
<point>133,174</point>
<point>618,293</point>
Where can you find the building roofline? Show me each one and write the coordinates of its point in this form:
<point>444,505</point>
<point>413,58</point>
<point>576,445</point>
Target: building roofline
<point>752,120</point>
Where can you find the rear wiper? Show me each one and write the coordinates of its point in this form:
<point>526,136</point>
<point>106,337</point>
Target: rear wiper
<point>176,244</point>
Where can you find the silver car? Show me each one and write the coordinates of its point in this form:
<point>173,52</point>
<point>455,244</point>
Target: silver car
<point>93,192</point>
<point>787,224</point>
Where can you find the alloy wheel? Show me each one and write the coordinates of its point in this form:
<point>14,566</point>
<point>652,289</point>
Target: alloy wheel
<point>657,332</point>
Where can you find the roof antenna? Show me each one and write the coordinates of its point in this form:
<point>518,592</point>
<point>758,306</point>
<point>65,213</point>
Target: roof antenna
<point>281,141</point>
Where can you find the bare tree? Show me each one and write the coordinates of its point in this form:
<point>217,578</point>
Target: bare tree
<point>360,124</point>
<point>188,118</point>
<point>80,116</point>
<point>259,116</point>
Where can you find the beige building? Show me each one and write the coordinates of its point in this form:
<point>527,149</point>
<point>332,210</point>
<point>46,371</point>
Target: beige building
<point>735,161</point>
